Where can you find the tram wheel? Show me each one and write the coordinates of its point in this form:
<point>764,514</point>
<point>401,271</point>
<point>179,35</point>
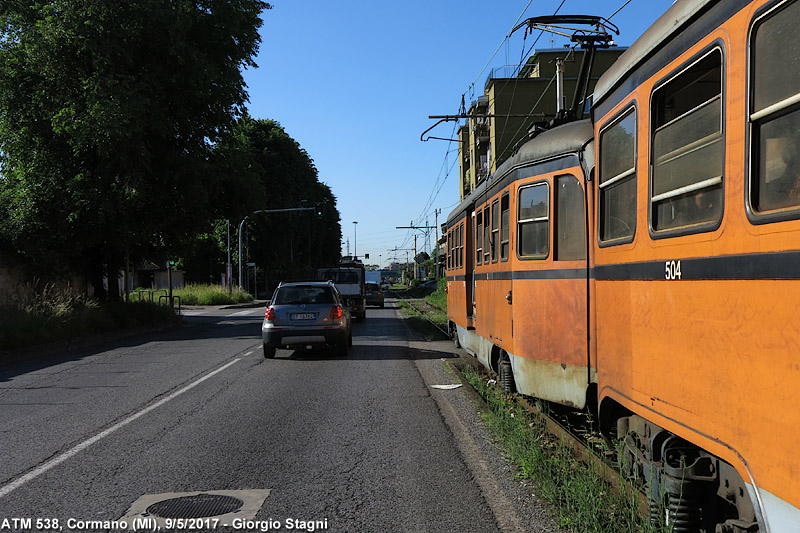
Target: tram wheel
<point>454,335</point>
<point>506,374</point>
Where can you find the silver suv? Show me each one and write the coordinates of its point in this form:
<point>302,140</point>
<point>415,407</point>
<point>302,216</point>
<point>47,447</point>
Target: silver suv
<point>306,314</point>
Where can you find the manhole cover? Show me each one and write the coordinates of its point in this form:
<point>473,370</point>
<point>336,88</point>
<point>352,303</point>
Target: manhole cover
<point>196,506</point>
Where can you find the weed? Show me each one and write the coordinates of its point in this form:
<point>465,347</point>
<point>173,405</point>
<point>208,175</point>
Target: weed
<point>206,294</point>
<point>57,314</point>
<point>581,499</point>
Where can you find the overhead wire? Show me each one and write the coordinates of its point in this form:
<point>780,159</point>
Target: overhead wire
<point>618,10</point>
<point>523,59</point>
<point>478,77</point>
<point>437,186</point>
<point>435,191</point>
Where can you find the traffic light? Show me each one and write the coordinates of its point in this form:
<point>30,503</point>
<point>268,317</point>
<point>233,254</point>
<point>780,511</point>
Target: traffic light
<point>318,209</point>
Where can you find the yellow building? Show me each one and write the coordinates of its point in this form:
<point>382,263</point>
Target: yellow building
<point>513,106</point>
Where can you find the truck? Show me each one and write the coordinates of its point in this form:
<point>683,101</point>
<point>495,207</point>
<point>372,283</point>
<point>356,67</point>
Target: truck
<point>349,280</point>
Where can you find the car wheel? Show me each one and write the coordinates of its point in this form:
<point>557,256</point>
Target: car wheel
<point>381,306</point>
<point>269,353</point>
<point>350,338</point>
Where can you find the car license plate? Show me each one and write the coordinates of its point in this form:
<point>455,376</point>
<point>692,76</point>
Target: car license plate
<point>303,316</point>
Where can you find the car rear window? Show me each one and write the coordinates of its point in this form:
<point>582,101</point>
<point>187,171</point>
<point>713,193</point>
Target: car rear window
<point>303,295</point>
<point>339,276</point>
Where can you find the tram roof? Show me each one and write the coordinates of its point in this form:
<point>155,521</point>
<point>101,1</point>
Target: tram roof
<point>665,26</point>
<point>565,139</point>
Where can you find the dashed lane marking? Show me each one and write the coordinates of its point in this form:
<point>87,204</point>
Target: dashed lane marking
<point>48,465</point>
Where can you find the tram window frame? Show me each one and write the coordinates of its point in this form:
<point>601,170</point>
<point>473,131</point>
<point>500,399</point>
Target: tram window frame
<point>524,223</point>
<point>696,204</point>
<point>487,235</point>
<point>478,237</point>
<point>611,189</point>
<point>772,113</point>
<point>505,213</point>
<point>495,240</point>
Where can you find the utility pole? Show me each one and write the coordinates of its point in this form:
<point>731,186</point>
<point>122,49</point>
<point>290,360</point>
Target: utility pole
<point>228,266</point>
<point>421,228</point>
<point>406,250</point>
<point>415,257</point>
<point>436,260</point>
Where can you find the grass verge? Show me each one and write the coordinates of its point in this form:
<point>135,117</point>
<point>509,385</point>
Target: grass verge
<point>58,316</point>
<point>418,322</point>
<point>581,500</point>
<point>205,294</point>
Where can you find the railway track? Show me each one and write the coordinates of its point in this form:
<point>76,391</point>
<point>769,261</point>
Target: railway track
<point>571,428</point>
<point>422,307</point>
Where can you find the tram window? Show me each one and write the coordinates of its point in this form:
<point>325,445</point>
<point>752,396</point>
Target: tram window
<point>688,147</point>
<point>495,229</point>
<point>455,246</point>
<point>570,230</point>
<point>461,245</point>
<point>487,235</point>
<point>479,237</point>
<point>617,179</point>
<point>450,250</point>
<point>775,111</point>
<point>504,228</point>
<point>456,250</point>
<point>533,221</point>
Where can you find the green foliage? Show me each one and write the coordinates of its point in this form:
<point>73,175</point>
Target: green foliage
<point>56,315</point>
<point>206,294</point>
<point>288,245</point>
<point>110,113</point>
<point>582,500</point>
<point>439,297</point>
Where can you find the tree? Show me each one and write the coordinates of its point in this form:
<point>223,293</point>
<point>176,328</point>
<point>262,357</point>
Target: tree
<point>109,115</point>
<point>289,245</point>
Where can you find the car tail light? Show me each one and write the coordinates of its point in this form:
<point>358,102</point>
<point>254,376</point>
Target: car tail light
<point>269,315</point>
<point>380,293</point>
<point>336,312</point>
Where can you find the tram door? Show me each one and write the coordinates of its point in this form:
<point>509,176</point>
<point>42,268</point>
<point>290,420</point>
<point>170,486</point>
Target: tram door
<point>469,266</point>
<point>568,306</point>
<point>497,251</point>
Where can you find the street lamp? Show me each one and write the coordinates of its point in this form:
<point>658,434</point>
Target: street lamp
<point>355,240</point>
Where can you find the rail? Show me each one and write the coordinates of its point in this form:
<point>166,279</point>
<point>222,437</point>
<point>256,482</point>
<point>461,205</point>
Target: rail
<point>570,427</point>
<point>421,312</point>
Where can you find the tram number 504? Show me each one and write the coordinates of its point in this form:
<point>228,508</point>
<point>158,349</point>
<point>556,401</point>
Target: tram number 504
<point>672,270</point>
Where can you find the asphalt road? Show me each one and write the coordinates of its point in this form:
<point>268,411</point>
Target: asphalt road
<point>309,441</point>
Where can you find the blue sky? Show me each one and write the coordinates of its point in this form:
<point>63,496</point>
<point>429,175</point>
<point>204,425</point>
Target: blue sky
<point>354,82</point>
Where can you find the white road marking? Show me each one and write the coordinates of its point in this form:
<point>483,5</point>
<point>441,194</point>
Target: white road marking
<point>38,471</point>
<point>247,312</point>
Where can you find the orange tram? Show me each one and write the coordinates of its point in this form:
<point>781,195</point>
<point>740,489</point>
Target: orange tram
<point>645,265</point>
